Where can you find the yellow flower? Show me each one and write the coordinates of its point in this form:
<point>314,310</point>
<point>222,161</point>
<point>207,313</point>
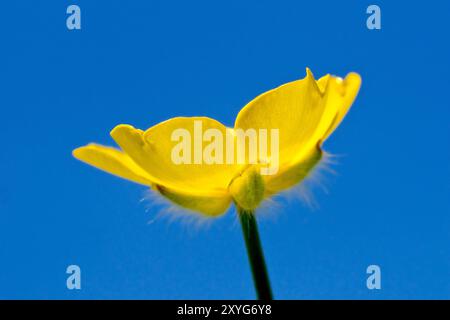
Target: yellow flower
<point>305,112</point>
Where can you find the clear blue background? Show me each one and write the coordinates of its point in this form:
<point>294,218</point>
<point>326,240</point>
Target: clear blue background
<point>141,62</point>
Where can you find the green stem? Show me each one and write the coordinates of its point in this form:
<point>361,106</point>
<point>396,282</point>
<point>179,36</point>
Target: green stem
<point>255,254</point>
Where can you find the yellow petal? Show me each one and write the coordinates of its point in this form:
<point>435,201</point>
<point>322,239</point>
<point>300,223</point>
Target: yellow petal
<point>291,175</point>
<point>112,161</point>
<point>295,109</point>
<point>212,205</point>
<point>153,151</point>
<point>340,94</point>
<point>305,112</point>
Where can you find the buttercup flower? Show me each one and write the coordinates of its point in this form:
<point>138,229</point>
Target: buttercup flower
<point>299,115</point>
<point>305,112</point>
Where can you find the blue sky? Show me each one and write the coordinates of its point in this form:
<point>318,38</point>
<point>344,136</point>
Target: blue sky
<point>141,62</point>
